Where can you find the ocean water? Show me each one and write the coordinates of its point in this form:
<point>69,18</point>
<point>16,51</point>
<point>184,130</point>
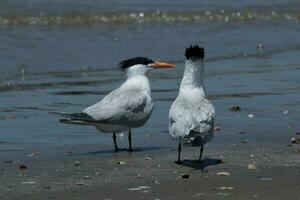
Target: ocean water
<point>62,56</point>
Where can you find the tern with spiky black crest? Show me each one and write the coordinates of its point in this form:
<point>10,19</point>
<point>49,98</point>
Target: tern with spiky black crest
<point>191,116</point>
<point>126,107</point>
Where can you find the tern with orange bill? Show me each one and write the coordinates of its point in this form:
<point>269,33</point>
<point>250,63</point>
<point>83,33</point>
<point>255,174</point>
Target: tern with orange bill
<point>127,107</point>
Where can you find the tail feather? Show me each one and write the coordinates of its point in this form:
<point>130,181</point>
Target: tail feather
<point>70,121</point>
<point>75,118</point>
<point>195,138</point>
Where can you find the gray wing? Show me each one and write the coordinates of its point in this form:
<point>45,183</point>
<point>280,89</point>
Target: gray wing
<point>186,120</point>
<point>130,107</point>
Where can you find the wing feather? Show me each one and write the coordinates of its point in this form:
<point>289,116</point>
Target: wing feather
<point>119,107</point>
<point>185,119</point>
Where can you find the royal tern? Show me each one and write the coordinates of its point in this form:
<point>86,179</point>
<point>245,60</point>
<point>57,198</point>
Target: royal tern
<point>191,116</point>
<point>126,107</point>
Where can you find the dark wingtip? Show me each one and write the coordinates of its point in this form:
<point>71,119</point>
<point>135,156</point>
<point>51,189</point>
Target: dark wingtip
<point>194,53</point>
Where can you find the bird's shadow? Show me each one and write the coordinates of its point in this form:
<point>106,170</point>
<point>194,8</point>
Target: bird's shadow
<point>206,162</point>
<point>120,150</point>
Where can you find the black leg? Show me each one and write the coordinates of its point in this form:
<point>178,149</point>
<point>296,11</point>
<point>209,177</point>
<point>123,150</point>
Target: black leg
<point>179,152</point>
<point>115,142</point>
<point>129,141</point>
<point>201,152</point>
<point>200,160</point>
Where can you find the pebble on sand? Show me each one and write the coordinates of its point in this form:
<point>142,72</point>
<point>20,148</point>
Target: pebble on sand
<point>80,183</point>
<point>142,187</point>
<point>185,176</point>
<point>28,182</point>
<point>260,46</point>
<point>77,163</point>
<point>227,188</point>
<point>266,179</point>
<point>251,115</point>
<point>35,153</point>
<point>285,112</point>
<point>216,128</point>
<point>223,173</point>
<point>121,163</point>
<point>236,108</point>
<point>148,158</point>
<point>295,140</point>
<point>22,167</point>
<point>252,167</point>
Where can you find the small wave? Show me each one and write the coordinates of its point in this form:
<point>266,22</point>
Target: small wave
<point>5,142</point>
<point>149,17</point>
<point>78,93</point>
<point>230,95</point>
<point>242,95</point>
<point>45,85</point>
<point>86,92</point>
<point>63,104</point>
<point>30,108</point>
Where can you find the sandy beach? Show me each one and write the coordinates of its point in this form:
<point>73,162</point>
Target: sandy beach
<point>250,170</point>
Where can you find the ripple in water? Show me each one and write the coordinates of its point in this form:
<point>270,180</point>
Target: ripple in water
<point>149,17</point>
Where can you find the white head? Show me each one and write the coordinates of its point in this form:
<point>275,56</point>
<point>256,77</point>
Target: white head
<point>141,65</point>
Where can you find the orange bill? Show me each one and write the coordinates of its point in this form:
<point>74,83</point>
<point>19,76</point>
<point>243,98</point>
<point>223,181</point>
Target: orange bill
<point>159,64</point>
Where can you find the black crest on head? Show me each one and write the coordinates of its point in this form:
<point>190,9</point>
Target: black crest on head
<point>134,61</point>
<point>194,53</point>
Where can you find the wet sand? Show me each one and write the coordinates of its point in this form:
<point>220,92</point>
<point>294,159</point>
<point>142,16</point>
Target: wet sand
<point>85,172</point>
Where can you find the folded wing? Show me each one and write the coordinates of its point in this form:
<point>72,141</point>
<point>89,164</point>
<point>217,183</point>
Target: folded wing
<point>187,121</point>
<point>132,108</point>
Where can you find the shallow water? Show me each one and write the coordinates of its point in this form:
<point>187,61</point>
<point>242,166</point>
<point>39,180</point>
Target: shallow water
<point>63,56</point>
